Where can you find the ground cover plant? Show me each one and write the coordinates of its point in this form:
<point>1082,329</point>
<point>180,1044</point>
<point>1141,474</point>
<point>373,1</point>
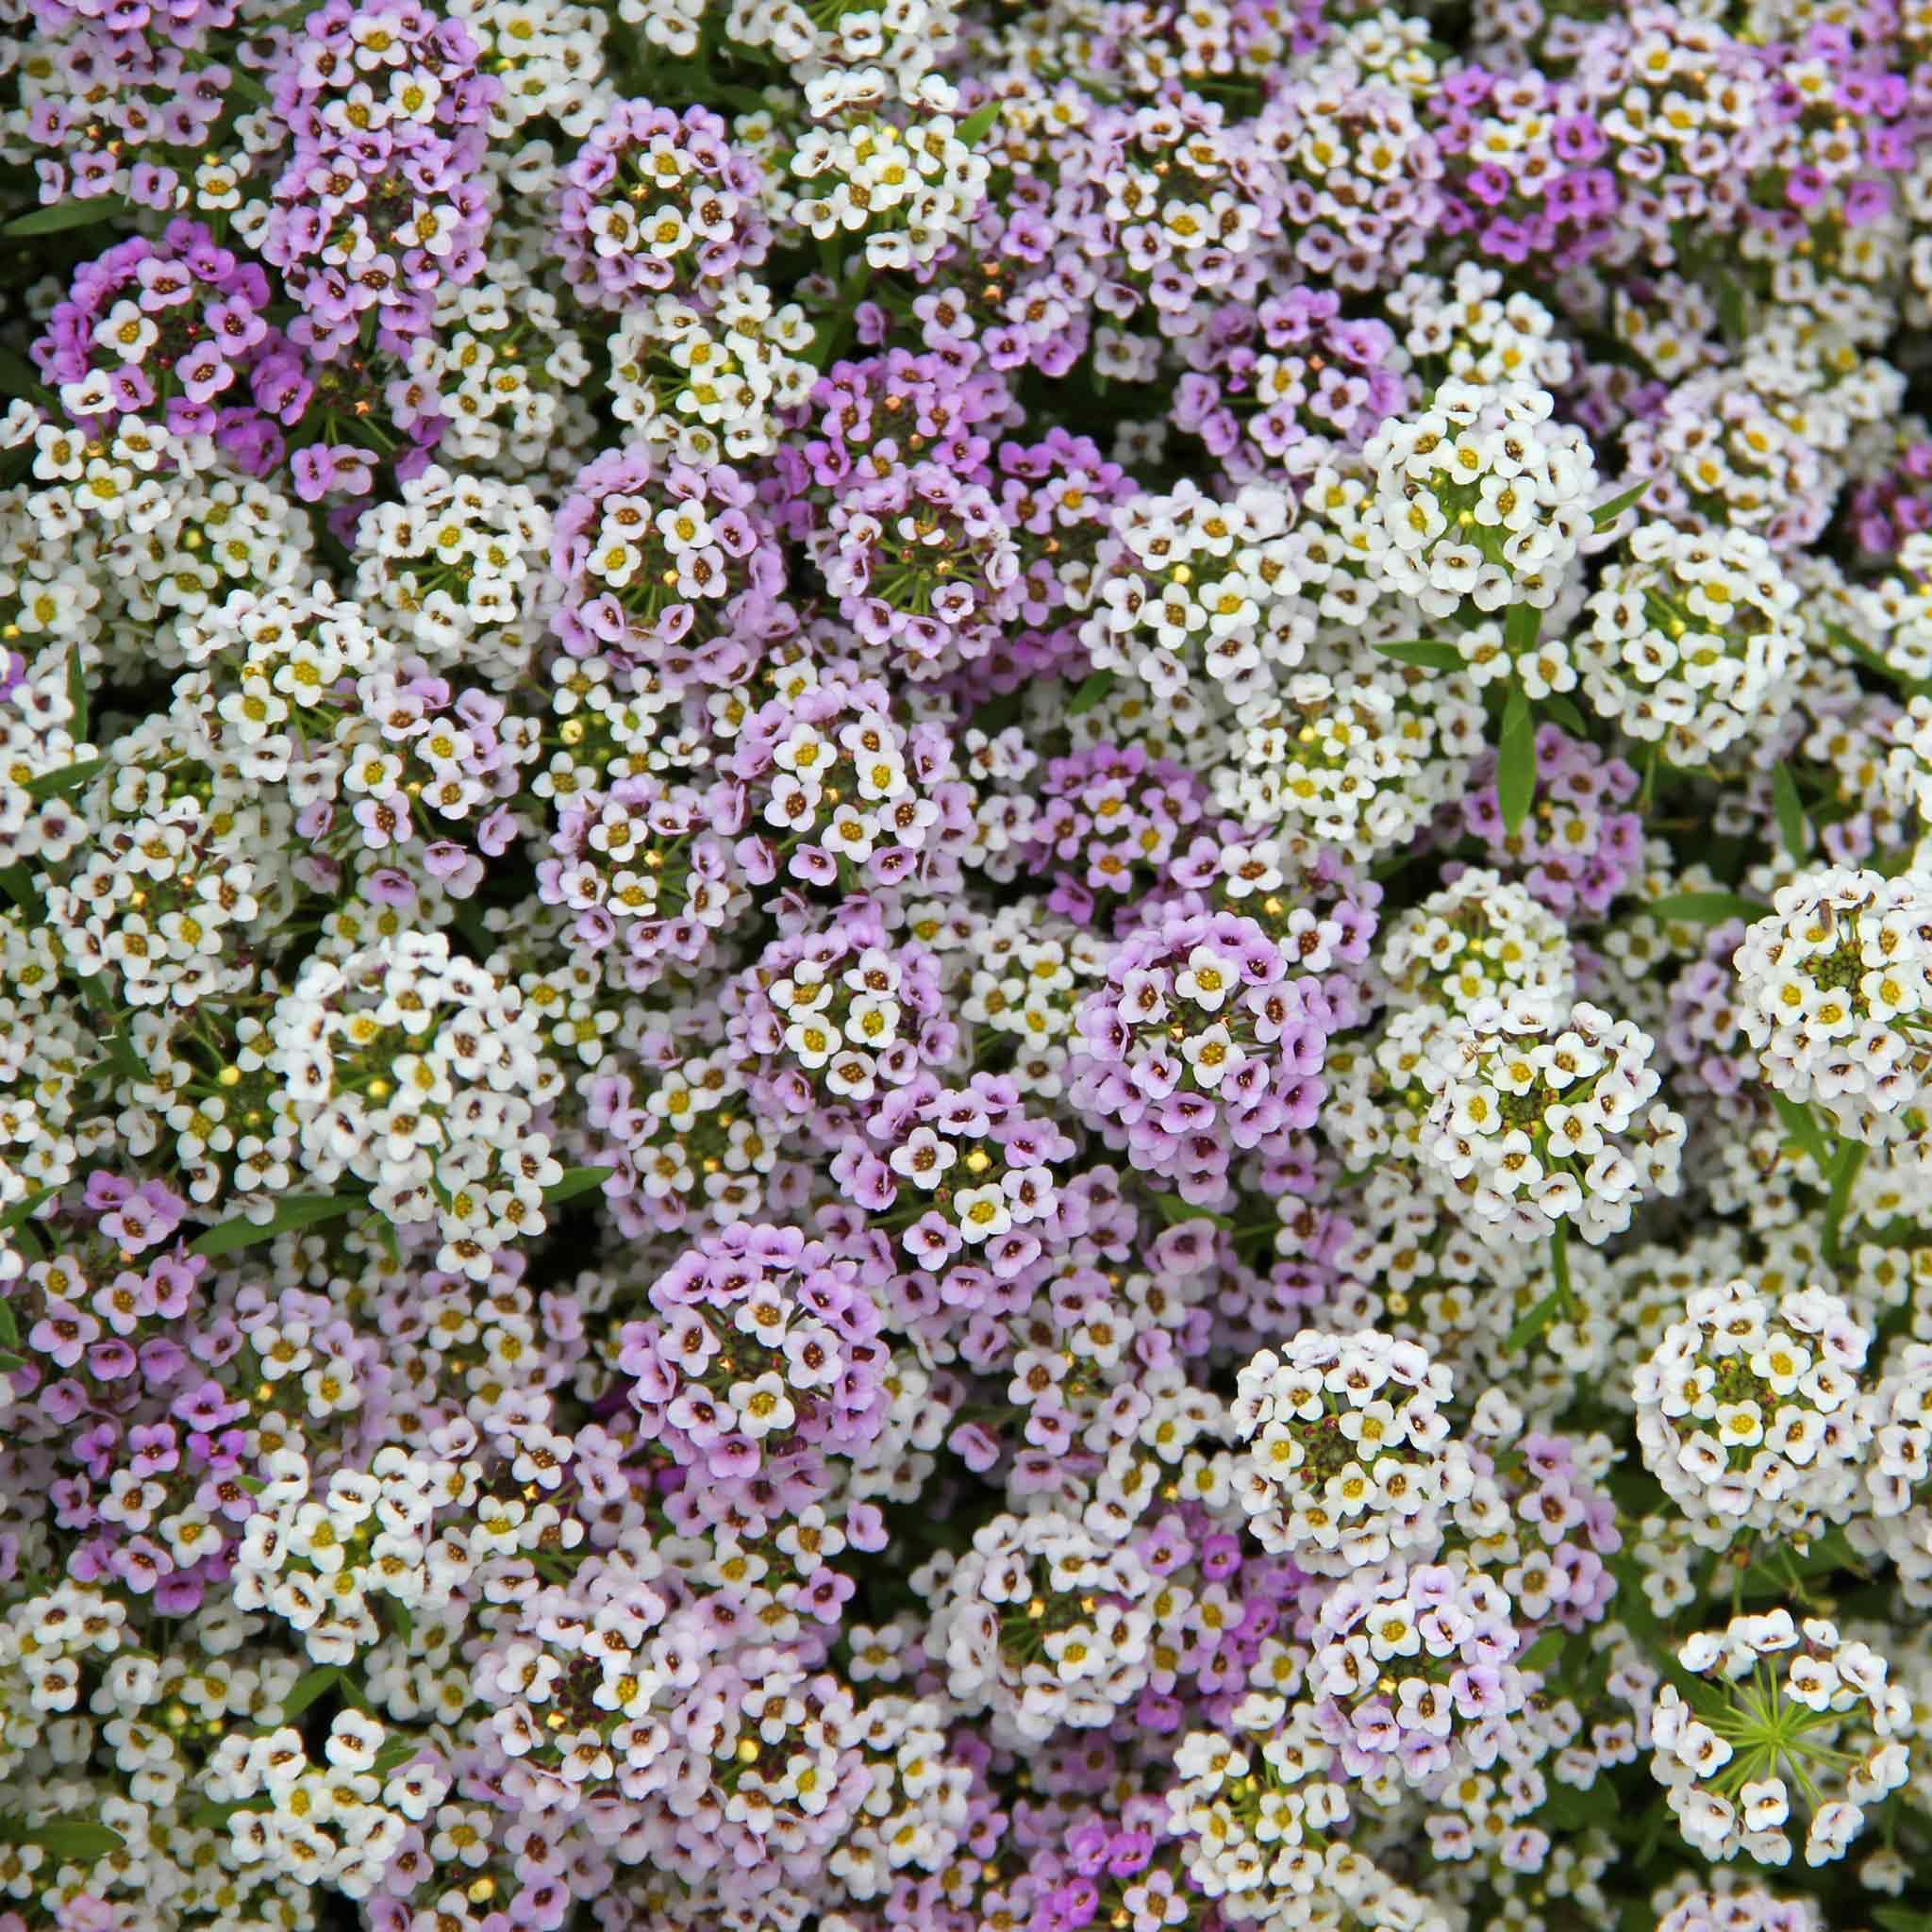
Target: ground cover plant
<point>965,967</point>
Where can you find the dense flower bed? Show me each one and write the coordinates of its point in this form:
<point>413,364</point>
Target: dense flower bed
<point>964,966</point>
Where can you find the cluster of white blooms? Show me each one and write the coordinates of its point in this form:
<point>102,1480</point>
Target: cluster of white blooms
<point>710,382</point>
<point>1541,1114</point>
<point>1832,992</point>
<point>1350,1457</point>
<point>1908,762</point>
<point>1695,641</point>
<point>317,1561</point>
<point>910,191</point>
<point>1803,1719</point>
<point>1362,762</point>
<point>1379,1106</point>
<point>460,565</point>
<point>1748,1411</point>
<point>1043,1624</point>
<point>1025,982</point>
<point>1899,608</point>
<point>498,376</point>
<point>336,1822</point>
<point>1481,498</point>
<point>1187,583</point>
<point>1898,1470</point>
<point>46,1643</point>
<point>1482,937</point>
<point>1256,1809</point>
<point>1466,324</point>
<point>549,58</point>
<point>413,1069</point>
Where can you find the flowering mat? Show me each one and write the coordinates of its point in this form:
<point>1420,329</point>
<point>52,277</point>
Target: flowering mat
<point>963,967</point>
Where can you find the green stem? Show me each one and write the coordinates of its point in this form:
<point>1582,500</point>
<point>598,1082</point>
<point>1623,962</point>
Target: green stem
<point>1559,1268</point>
<point>1845,1176</point>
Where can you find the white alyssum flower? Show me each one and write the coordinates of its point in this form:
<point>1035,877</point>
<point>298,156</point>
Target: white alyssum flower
<point>1694,641</point>
<point>1832,992</point>
<point>1748,1411</point>
<point>1350,1458</point>
<point>1543,1114</point>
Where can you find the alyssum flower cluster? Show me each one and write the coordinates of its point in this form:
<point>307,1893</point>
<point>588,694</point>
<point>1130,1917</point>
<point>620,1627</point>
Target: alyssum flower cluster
<point>965,966</point>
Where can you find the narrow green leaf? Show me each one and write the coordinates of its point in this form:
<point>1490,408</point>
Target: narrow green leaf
<point>305,1690</point>
<point>17,882</point>
<point>1566,714</point>
<point>1789,809</point>
<point>1730,309</point>
<point>577,1181</point>
<point>19,377</point>
<point>1093,691</point>
<point>1801,1123</point>
<point>121,1055</point>
<point>19,1212</point>
<point>304,1210</point>
<point>1516,761</point>
<point>397,1754</point>
<point>69,214</point>
<point>1566,1808</point>
<point>10,1323</point>
<point>68,778</point>
<point>979,123</point>
<point>76,695</point>
<point>1705,908</point>
<point>1899,1919</point>
<point>1606,513</point>
<point>1428,653</point>
<point>212,1817</point>
<point>1176,1212</point>
<point>1522,629</point>
<point>1544,1651</point>
<point>1538,1318</point>
<point>64,1838</point>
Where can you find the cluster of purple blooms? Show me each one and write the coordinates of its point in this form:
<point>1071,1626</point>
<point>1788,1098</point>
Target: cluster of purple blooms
<point>965,966</point>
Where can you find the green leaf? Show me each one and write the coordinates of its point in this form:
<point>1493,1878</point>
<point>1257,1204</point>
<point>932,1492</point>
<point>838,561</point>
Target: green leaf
<point>1606,513</point>
<point>76,695</point>
<point>212,1817</point>
<point>1898,1918</point>
<point>305,1690</point>
<point>1544,1651</point>
<point>68,778</point>
<point>1705,908</point>
<point>1856,647</point>
<point>1522,629</point>
<point>577,1181</point>
<point>1427,654</point>
<point>1566,714</point>
<point>1538,1318</point>
<point>1091,692</point>
<point>1802,1125</point>
<point>1789,809</point>
<point>18,377</point>
<point>397,1754</point>
<point>19,1212</point>
<point>1731,315</point>
<point>1566,1808</point>
<point>980,123</point>
<point>17,882</point>
<point>69,214</point>
<point>65,1838</point>
<point>1176,1212</point>
<point>1516,761</point>
<point>9,1325</point>
<point>303,1211</point>
<point>120,1056</point>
